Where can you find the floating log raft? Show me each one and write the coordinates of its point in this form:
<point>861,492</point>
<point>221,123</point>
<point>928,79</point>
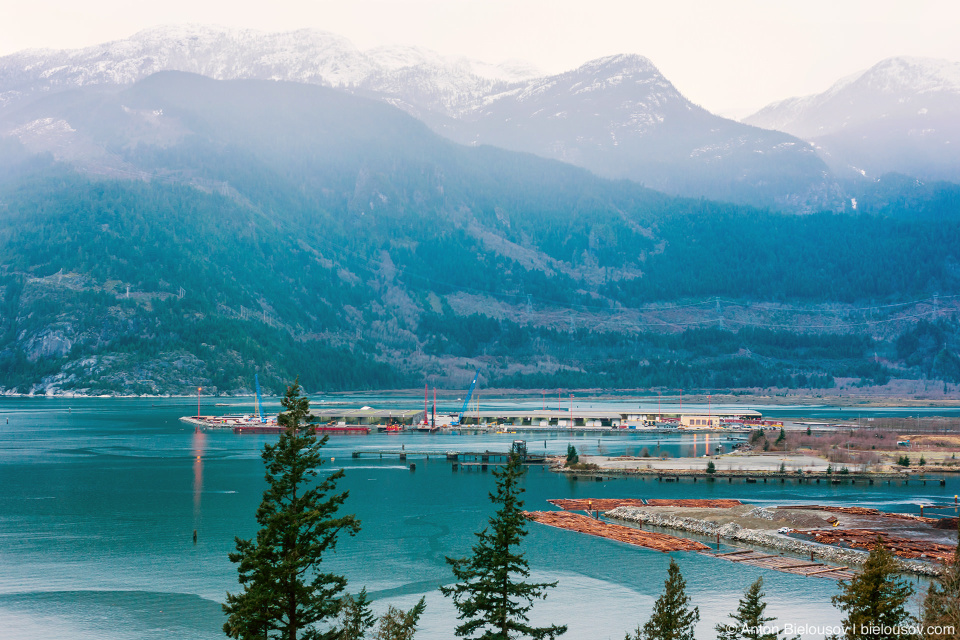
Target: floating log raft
<point>609,504</point>
<point>620,533</point>
<point>697,503</point>
<point>861,511</point>
<point>898,546</point>
<point>785,565</point>
<point>596,504</point>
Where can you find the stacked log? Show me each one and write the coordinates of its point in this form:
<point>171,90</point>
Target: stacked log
<point>609,504</point>
<point>899,546</point>
<point>595,504</point>
<point>946,523</point>
<point>697,503</point>
<point>629,535</point>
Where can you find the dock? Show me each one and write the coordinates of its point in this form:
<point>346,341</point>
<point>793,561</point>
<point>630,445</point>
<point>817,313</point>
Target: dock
<point>782,564</point>
<point>486,457</point>
<point>629,535</point>
<point>755,477</point>
<point>319,430</point>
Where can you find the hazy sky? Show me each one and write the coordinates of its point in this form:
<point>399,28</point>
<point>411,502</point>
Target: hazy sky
<point>729,56</point>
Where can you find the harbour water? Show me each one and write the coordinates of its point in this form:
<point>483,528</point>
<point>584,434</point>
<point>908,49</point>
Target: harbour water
<point>99,499</point>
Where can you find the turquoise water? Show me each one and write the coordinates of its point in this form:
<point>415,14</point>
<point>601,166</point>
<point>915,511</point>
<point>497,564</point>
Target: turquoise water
<point>99,499</point>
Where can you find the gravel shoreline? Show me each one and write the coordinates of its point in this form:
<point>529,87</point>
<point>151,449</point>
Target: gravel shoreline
<point>771,539</point>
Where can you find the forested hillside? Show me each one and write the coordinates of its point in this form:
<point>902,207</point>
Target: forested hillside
<point>185,232</point>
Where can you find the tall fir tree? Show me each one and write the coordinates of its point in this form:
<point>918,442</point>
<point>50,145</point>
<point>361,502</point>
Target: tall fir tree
<point>490,595</point>
<point>941,606</point>
<point>672,617</point>
<point>749,621</point>
<point>285,595</point>
<point>875,600</point>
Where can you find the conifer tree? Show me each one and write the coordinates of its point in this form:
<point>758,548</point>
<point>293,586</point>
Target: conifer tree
<point>397,624</point>
<point>876,598</point>
<point>941,607</point>
<point>672,617</point>
<point>285,596</point>
<point>356,618</point>
<point>749,621</point>
<point>490,595</point>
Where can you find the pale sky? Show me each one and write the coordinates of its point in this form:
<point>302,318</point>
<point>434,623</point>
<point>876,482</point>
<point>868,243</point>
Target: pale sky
<point>730,56</point>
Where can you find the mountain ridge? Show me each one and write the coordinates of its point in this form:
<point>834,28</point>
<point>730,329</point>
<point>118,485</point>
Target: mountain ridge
<point>626,119</point>
<point>901,115</point>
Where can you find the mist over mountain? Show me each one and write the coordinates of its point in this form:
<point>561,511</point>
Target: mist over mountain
<point>618,116</point>
<point>184,231</point>
<point>902,115</point>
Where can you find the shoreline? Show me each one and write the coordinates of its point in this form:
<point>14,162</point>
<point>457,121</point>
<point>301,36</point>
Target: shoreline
<point>792,399</point>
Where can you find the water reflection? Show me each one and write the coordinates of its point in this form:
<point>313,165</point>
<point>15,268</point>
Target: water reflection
<point>199,447</point>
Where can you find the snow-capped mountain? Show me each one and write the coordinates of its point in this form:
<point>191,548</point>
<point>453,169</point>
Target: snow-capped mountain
<point>621,118</point>
<point>617,116</point>
<point>902,115</point>
<point>416,76</point>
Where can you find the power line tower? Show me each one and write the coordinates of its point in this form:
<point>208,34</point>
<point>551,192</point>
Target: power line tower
<point>720,313</point>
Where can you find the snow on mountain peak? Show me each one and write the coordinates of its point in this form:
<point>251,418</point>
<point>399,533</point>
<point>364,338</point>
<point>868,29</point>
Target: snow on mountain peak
<point>913,75</point>
<point>622,62</point>
<point>446,83</point>
<point>899,85</point>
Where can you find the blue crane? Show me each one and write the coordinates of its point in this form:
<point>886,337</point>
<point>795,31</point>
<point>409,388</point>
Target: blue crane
<point>466,402</point>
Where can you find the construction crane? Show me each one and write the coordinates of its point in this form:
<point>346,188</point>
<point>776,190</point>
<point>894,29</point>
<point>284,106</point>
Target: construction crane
<point>259,412</point>
<point>466,402</point>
